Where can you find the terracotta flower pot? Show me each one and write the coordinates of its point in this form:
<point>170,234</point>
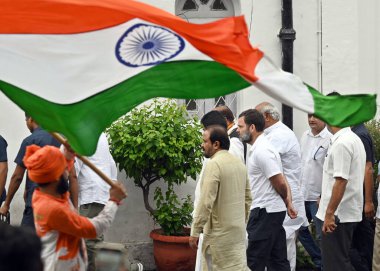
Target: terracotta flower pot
<point>172,253</point>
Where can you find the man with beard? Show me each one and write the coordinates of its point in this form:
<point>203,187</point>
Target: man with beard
<point>271,197</point>
<point>60,227</point>
<point>223,206</point>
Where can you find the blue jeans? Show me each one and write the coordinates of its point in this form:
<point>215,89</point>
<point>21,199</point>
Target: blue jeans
<point>305,237</point>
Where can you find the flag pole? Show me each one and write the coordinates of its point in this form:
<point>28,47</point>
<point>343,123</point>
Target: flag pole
<point>84,160</point>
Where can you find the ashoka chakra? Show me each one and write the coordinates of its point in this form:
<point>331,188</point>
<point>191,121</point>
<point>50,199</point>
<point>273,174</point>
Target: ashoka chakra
<point>144,45</point>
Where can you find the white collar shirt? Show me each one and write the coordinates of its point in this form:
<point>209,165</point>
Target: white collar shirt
<point>346,158</point>
<point>286,144</point>
<point>263,162</point>
<point>236,146</point>
<point>92,188</point>
<point>313,154</point>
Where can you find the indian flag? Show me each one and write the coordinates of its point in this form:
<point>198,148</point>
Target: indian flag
<point>78,65</point>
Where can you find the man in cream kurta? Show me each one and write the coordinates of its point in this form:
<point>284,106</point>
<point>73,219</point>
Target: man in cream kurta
<point>223,207</point>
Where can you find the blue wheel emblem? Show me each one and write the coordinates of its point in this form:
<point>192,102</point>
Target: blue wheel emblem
<point>146,45</point>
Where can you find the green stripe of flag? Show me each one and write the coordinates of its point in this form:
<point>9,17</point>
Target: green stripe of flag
<point>345,110</point>
<point>83,122</point>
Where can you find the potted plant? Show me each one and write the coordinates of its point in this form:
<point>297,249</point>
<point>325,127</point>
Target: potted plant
<point>161,142</point>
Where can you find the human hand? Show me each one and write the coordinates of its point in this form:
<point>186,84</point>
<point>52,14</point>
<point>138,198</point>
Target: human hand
<point>369,210</point>
<point>292,212</point>
<point>193,242</point>
<point>118,192</point>
<point>67,151</point>
<point>4,209</point>
<point>329,224</point>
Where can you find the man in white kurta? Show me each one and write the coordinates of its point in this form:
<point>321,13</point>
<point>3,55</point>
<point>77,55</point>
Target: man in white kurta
<point>285,142</point>
<point>237,148</point>
<point>223,207</point>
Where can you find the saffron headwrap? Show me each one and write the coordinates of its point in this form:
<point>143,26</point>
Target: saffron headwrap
<point>45,164</point>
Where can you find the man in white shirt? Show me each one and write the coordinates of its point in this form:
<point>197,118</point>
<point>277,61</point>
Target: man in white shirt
<point>237,148</point>
<point>271,197</point>
<point>314,144</point>
<point>286,144</point>
<point>341,203</point>
<point>94,191</point>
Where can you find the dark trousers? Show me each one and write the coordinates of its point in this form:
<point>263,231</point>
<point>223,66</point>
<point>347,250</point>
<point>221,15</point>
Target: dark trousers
<point>266,241</point>
<point>336,248</point>
<point>28,218</point>
<point>305,237</point>
<point>362,245</point>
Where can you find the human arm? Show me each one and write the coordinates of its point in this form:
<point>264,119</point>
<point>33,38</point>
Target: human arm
<point>279,183</point>
<point>336,197</point>
<point>3,164</point>
<point>14,184</point>
<point>3,176</point>
<point>73,187</point>
<point>248,199</point>
<point>369,207</point>
<point>72,223</point>
<point>209,192</point>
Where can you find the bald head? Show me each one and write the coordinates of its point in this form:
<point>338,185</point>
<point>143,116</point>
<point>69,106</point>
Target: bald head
<point>270,113</point>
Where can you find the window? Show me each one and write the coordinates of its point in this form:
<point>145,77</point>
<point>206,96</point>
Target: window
<point>190,5</point>
<point>200,11</point>
<point>203,11</point>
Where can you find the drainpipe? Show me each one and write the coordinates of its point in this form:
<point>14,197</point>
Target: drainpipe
<point>287,36</point>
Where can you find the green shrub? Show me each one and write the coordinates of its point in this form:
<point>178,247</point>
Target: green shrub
<point>159,142</point>
<point>373,127</point>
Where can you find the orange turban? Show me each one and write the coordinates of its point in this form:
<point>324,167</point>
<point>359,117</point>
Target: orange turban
<point>45,164</point>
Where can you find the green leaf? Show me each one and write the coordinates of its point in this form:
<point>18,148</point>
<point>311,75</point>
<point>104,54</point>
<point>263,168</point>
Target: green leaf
<point>159,140</point>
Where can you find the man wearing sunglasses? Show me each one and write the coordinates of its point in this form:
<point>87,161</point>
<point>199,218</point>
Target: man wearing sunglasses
<point>314,144</point>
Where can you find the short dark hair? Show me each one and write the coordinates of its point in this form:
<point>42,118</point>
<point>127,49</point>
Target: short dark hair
<point>213,118</point>
<point>252,116</point>
<point>20,249</point>
<point>226,112</point>
<point>334,93</point>
<point>219,133</point>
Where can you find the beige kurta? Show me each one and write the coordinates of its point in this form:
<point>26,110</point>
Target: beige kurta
<point>222,212</point>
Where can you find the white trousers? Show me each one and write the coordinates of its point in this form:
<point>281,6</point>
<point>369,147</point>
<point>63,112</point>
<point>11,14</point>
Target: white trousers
<point>292,251</point>
<point>198,263</point>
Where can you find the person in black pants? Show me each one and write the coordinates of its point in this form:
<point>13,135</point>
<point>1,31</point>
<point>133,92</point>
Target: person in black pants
<point>362,242</point>
<point>3,168</point>
<point>271,198</point>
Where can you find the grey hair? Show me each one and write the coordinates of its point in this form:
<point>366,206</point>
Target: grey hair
<point>271,110</point>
